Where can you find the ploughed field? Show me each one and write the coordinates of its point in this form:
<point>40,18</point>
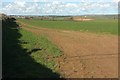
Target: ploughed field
<point>89,48</point>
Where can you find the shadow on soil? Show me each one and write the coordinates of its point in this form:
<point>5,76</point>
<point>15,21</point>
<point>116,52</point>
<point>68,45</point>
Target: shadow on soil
<point>16,61</point>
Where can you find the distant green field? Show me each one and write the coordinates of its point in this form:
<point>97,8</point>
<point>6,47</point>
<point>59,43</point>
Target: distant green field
<point>109,26</point>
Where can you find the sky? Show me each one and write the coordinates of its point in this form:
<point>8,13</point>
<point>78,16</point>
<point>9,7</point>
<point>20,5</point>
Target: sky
<point>59,7</point>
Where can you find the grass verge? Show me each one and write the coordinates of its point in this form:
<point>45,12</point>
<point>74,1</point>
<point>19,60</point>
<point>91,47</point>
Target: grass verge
<point>40,48</point>
<point>25,55</point>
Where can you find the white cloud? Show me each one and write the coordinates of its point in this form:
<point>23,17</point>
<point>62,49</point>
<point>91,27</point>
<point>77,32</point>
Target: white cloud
<point>57,7</point>
<point>71,5</point>
<point>36,0</point>
<point>116,0</point>
<point>20,3</point>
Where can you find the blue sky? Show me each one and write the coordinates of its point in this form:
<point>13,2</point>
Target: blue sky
<point>59,7</point>
<point>64,0</point>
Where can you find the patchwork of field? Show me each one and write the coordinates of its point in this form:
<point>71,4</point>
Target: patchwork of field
<point>90,48</point>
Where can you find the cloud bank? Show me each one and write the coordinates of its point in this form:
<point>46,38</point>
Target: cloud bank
<point>43,7</point>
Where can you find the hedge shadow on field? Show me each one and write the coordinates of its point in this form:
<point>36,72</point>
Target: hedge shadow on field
<point>16,61</point>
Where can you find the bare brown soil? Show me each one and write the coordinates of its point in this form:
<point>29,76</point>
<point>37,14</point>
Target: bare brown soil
<point>86,55</point>
<point>82,19</point>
